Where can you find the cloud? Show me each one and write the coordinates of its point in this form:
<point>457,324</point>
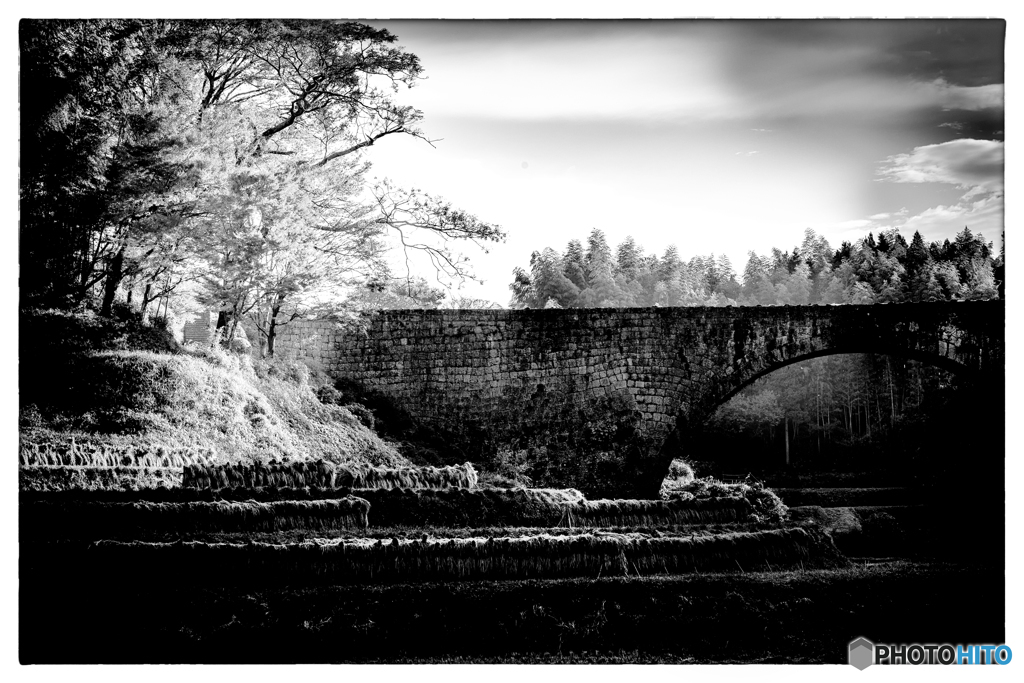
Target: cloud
<point>883,216</point>
<point>983,216</point>
<point>955,125</point>
<point>685,71</point>
<point>747,154</point>
<point>973,165</point>
<point>971,98</point>
<point>761,130</point>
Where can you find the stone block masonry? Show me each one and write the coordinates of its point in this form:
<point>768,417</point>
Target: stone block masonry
<point>595,393</point>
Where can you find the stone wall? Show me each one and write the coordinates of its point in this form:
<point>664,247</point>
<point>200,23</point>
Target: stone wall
<point>595,393</point>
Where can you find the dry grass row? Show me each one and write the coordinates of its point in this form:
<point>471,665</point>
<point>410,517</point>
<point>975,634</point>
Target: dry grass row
<point>72,478</point>
<point>606,513</point>
<point>265,494</point>
<point>104,520</point>
<point>541,508</point>
<point>343,561</point>
<point>324,474</point>
<point>364,476</point>
<point>49,453</point>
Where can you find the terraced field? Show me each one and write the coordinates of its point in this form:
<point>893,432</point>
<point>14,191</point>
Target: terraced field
<point>312,562</point>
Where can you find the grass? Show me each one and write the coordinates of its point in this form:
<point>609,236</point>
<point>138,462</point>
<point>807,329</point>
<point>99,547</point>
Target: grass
<point>116,394</point>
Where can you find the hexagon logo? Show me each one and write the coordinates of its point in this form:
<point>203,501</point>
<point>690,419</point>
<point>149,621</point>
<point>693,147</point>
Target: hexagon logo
<point>862,653</point>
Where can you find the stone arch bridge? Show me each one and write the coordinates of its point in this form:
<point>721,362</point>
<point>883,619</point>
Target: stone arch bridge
<point>590,397</point>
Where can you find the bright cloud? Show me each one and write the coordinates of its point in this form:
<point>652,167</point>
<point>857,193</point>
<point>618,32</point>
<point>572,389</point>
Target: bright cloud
<point>973,165</point>
<point>971,98</point>
<point>884,216</point>
<point>984,216</point>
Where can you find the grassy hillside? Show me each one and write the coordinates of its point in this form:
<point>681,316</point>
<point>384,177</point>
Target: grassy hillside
<point>109,381</point>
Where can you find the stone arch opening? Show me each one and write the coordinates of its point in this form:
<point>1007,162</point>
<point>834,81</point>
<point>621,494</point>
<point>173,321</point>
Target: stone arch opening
<point>976,388</point>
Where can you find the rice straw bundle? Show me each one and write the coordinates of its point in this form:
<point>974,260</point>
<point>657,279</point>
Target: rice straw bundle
<point>68,478</point>
<point>177,494</point>
<point>104,520</point>
<point>342,561</point>
<point>541,507</point>
<point>323,474</point>
<point>296,474</point>
<point>599,513</point>
<point>76,454</point>
<point>366,476</point>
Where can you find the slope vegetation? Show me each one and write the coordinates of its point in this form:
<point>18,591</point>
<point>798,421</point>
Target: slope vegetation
<point>107,381</point>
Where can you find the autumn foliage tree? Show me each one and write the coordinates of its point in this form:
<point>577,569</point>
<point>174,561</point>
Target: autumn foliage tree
<point>223,159</point>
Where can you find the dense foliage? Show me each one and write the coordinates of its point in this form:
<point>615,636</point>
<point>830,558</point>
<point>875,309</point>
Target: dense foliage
<point>178,166</point>
<point>871,271</point>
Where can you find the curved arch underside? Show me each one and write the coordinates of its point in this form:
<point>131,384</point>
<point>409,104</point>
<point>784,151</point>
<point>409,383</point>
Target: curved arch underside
<point>554,382</point>
<point>941,362</point>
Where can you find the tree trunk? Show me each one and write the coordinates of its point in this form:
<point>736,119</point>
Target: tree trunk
<point>222,323</point>
<point>272,327</point>
<point>785,427</point>
<point>229,330</point>
<point>144,309</point>
<point>272,330</point>
<point>115,273</point>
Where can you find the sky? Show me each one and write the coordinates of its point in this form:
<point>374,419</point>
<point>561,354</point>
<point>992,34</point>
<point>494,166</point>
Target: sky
<point>716,136</point>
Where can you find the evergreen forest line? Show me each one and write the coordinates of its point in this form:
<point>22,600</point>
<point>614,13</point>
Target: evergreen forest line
<point>886,270</point>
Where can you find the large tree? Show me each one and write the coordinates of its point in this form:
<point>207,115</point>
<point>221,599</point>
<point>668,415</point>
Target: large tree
<point>228,153</point>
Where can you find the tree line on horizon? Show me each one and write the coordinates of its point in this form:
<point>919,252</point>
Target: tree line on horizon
<point>870,270</point>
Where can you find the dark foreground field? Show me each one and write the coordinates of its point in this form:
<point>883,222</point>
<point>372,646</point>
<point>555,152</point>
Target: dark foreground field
<point>771,617</point>
<point>253,573</point>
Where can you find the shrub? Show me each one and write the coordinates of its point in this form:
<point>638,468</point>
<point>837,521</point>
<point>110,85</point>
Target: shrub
<point>161,322</point>
<point>511,465</point>
<point>329,395</point>
<point>44,333</point>
<point>362,413</point>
